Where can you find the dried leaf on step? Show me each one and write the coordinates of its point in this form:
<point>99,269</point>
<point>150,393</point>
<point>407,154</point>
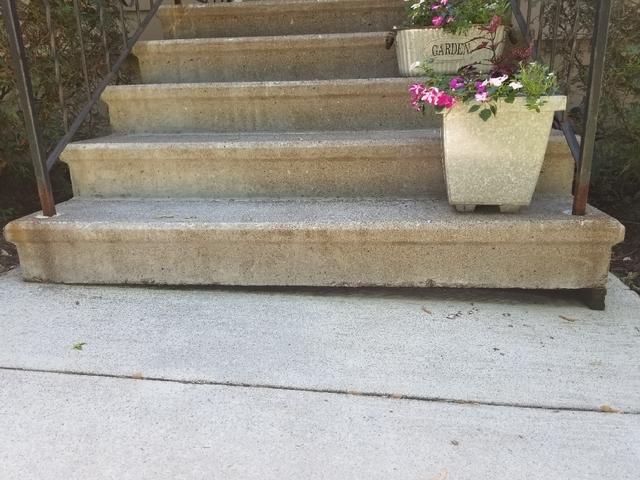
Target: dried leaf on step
<point>609,409</point>
<point>443,475</point>
<point>568,319</point>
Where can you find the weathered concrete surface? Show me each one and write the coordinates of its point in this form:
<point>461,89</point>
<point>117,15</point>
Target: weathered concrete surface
<point>281,17</point>
<point>502,347</point>
<point>69,427</point>
<point>370,163</point>
<point>483,168</point>
<point>248,59</point>
<point>356,104</point>
<point>318,242</point>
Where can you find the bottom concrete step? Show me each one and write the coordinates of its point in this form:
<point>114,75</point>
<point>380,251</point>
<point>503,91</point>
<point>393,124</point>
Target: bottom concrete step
<point>324,242</point>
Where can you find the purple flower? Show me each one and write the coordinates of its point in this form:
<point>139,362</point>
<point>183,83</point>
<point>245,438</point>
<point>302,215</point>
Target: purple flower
<point>435,6</point>
<point>437,21</point>
<point>481,87</point>
<point>456,83</point>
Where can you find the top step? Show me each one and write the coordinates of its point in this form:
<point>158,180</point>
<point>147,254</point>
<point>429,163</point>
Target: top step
<point>280,17</point>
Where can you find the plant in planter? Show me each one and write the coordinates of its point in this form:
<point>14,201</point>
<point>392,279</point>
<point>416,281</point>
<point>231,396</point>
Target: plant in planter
<point>495,131</point>
<point>449,34</point>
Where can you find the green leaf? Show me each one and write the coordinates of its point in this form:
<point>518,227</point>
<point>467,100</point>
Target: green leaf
<point>493,109</point>
<point>474,108</point>
<point>485,114</point>
<point>510,99</point>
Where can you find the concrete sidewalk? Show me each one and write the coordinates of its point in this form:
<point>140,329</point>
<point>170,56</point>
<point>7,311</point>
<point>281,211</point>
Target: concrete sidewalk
<point>316,383</point>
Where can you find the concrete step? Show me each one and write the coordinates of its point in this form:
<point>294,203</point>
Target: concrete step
<point>295,57</point>
<point>280,17</point>
<point>362,104</point>
<point>396,163</point>
<point>324,242</point>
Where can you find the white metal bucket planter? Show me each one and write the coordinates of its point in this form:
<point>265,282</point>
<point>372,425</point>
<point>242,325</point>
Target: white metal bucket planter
<point>498,161</point>
<point>446,52</point>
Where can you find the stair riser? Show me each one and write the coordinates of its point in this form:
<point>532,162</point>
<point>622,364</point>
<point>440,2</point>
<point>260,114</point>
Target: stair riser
<point>227,171</point>
<point>308,258</point>
<point>269,61</point>
<point>194,108</point>
<point>249,20</point>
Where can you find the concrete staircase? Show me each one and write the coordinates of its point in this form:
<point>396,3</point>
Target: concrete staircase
<point>271,143</point>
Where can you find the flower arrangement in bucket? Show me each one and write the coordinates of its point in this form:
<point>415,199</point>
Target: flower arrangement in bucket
<point>495,131</point>
<point>449,34</point>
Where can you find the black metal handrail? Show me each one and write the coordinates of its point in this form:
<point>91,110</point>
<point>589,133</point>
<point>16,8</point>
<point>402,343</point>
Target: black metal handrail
<point>582,148</point>
<point>42,161</point>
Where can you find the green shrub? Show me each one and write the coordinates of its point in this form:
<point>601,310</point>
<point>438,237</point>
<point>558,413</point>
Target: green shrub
<point>37,38</point>
<point>616,170</point>
<point>18,193</point>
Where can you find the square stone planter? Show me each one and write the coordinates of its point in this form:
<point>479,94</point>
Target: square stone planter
<point>445,51</point>
<point>498,161</point>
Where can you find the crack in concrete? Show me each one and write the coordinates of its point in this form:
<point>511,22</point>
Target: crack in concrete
<point>394,396</point>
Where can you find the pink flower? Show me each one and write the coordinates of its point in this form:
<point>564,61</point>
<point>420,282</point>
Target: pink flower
<point>445,100</point>
<point>417,91</point>
<point>431,96</point>
<point>482,97</point>
<point>450,19</point>
<point>435,6</point>
<point>437,21</point>
<point>456,83</point>
<point>444,2</point>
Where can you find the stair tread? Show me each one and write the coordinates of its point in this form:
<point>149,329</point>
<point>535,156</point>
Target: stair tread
<point>247,8</point>
<point>346,84</point>
<point>546,220</point>
<point>276,139</point>
<point>280,17</point>
<point>269,41</point>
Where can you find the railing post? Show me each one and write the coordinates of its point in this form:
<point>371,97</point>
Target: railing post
<point>27,104</point>
<point>594,87</point>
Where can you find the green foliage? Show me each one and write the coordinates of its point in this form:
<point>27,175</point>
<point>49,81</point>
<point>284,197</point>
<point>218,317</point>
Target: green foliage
<point>47,86</point>
<point>616,173</point>
<point>457,15</point>
<point>482,92</point>
<point>537,81</point>
<point>479,12</point>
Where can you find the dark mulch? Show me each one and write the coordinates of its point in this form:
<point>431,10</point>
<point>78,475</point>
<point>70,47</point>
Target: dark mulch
<point>626,257</point>
<point>8,256</point>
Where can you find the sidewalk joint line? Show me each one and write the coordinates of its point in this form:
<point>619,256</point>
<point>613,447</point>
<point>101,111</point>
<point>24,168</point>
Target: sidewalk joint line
<point>355,393</point>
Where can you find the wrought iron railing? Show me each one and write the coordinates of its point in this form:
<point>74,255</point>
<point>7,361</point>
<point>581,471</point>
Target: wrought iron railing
<point>43,161</point>
<point>533,25</point>
<point>526,13</point>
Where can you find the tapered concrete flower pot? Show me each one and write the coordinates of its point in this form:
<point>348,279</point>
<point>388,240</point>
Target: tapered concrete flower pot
<point>498,161</point>
<point>446,52</point>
